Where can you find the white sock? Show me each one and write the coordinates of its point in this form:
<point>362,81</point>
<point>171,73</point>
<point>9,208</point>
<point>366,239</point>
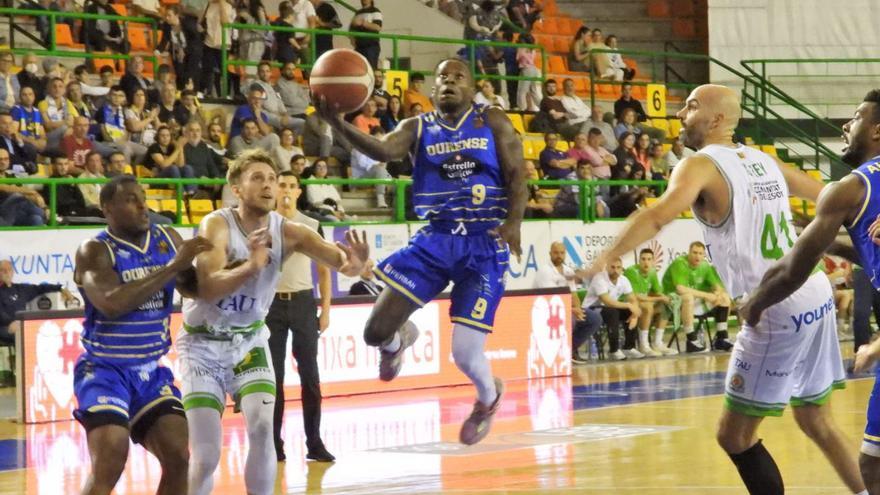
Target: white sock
<point>721,326</point>
<point>659,333</point>
<point>258,409</point>
<point>643,339</point>
<point>205,434</point>
<point>467,351</point>
<point>841,324</point>
<point>394,345</point>
<point>863,492</point>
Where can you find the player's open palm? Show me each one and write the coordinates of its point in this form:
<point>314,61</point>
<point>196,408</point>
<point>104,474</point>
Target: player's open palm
<point>865,357</point>
<point>356,250</point>
<point>188,250</point>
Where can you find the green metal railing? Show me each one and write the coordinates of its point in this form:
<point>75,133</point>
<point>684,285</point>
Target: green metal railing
<point>587,191</point>
<point>395,39</point>
<point>53,49</point>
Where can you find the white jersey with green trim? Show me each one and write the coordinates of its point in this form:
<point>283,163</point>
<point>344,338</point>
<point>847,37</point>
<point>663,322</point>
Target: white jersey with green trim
<point>243,310</point>
<point>758,229</point>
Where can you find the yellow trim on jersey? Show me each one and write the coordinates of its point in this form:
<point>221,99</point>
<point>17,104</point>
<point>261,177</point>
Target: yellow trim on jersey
<point>466,208</point>
<point>148,322</point>
<point>419,131</point>
<point>872,437</point>
<point>436,193</point>
<point>131,356</point>
<point>142,250</point>
<point>403,290</point>
<point>461,120</point>
<point>466,321</point>
<point>112,254</point>
<point>168,237</point>
<point>109,346</point>
<point>129,335</point>
<point>152,404</point>
<point>108,407</point>
<point>865,202</point>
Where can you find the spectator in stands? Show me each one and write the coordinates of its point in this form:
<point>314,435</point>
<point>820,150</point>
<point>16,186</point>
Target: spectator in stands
<point>611,294</point>
<point>202,160</point>
<point>294,97</point>
<point>677,153</point>
<point>214,15</point>
<point>168,107</point>
<point>616,59</point>
<point>659,168</point>
<point>57,113</point>
<point>579,56</point>
<point>9,85</point>
<point>251,42</point>
<point>839,273</point>
<point>568,200</point>
<point>116,165</point>
<point>95,95</point>
<point>625,101</point>
<point>69,201</point>
<point>413,95</point>
<point>174,43</point>
<point>367,285</point>
<point>642,153</point>
<point>317,136</point>
<point>486,96</point>
<point>77,146</point>
<point>483,21</point>
<point>588,147</point>
<point>23,158</point>
<point>601,61</point>
<point>523,13</point>
<point>693,279</point>
<point>93,169</point>
<point>99,34</point>
<point>324,197</point>
<point>252,110</point>
<point>272,104</point>
<point>578,111</point>
<point>166,158</point>
<point>511,67</point>
<point>28,75</point>
<point>367,120</point>
<point>216,139</point>
<point>133,79</point>
<point>528,93</point>
<point>539,205</point>
<point>364,167</point>
<point>30,122</point>
<point>287,49</point>
<point>304,17</point>
<point>626,157</point>
<point>628,199</point>
<point>286,150</point>
<point>367,19</point>
<point>557,273</point>
<point>78,102</point>
<point>556,164</point>
<point>19,206</point>
<point>652,301</point>
<point>141,121</point>
<point>627,123</point>
<point>380,95</point>
<point>251,138</point>
<point>596,122</point>
<point>15,297</point>
<point>327,19</point>
<point>552,115</point>
<point>393,114</point>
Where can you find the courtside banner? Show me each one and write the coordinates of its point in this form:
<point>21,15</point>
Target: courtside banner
<point>531,339</point>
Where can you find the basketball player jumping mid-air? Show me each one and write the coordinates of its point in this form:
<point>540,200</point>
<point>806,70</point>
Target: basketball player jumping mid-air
<point>469,183</point>
<point>740,197</point>
<point>224,346</point>
<point>852,202</point>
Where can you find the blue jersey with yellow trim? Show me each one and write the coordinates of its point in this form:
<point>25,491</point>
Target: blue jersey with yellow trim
<point>457,179</point>
<point>142,335</point>
<point>869,174</point>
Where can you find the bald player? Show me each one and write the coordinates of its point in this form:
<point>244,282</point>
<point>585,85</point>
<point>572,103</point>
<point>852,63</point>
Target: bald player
<point>740,197</point>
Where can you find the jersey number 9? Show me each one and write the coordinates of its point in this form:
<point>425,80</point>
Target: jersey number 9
<point>479,193</point>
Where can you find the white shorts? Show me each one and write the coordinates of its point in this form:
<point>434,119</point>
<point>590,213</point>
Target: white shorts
<point>210,369</point>
<point>791,357</point>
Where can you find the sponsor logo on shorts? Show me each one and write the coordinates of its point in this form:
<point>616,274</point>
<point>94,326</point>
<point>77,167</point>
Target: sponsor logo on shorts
<point>777,373</point>
<point>107,399</point>
<point>737,383</point>
<point>389,270</point>
<point>743,365</point>
<point>812,316</point>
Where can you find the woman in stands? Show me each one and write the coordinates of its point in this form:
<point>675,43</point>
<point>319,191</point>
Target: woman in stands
<point>626,156</point>
<point>324,197</point>
<point>616,59</point>
<point>486,96</point>
<point>579,58</point>
<point>393,115</point>
<point>165,158</point>
<point>642,151</point>
<point>287,150</point>
<point>140,121</point>
<point>252,43</point>
<point>627,123</point>
<point>528,94</point>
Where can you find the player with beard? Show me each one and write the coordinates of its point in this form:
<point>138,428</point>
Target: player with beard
<point>848,203</point>
<point>739,195</point>
<point>224,346</point>
<point>469,183</point>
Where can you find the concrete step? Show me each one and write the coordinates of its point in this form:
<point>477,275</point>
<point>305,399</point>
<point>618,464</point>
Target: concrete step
<point>593,11</point>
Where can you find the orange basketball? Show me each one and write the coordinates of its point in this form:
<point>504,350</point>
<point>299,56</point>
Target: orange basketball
<point>344,78</point>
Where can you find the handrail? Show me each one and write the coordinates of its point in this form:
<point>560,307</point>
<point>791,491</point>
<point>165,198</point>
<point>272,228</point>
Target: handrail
<point>53,46</point>
<point>395,60</point>
<point>586,191</point>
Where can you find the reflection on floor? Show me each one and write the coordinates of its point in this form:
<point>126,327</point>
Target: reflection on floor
<point>631,427</point>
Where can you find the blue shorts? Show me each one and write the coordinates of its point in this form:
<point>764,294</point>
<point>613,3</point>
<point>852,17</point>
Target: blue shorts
<point>871,439</point>
<point>475,264</point>
<point>131,396</point>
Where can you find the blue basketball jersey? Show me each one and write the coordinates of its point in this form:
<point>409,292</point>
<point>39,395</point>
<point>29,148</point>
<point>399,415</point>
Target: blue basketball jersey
<point>869,173</point>
<point>457,179</point>
<point>142,335</point>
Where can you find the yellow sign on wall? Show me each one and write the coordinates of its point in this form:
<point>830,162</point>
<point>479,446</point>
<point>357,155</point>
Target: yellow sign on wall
<point>656,100</point>
<point>396,82</point>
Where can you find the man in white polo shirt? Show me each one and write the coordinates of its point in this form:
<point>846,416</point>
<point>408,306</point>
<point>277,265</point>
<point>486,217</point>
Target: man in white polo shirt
<point>611,295</point>
<point>294,312</point>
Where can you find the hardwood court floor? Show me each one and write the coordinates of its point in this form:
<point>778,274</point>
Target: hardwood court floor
<point>642,427</point>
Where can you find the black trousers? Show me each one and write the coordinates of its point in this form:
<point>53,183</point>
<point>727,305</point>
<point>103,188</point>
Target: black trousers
<point>297,316</point>
<point>866,300</point>
<point>371,53</point>
<point>612,318</point>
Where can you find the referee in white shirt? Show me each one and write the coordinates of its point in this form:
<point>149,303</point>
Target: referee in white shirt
<point>294,311</point>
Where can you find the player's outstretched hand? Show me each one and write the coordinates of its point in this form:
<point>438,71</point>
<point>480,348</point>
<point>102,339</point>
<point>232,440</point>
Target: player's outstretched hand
<point>327,111</point>
<point>509,233</point>
<point>259,242</point>
<point>356,250</point>
<point>188,250</point>
<point>874,230</point>
<point>865,357</point>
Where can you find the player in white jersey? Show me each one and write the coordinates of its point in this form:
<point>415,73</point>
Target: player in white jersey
<point>224,348</point>
<point>740,196</point>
